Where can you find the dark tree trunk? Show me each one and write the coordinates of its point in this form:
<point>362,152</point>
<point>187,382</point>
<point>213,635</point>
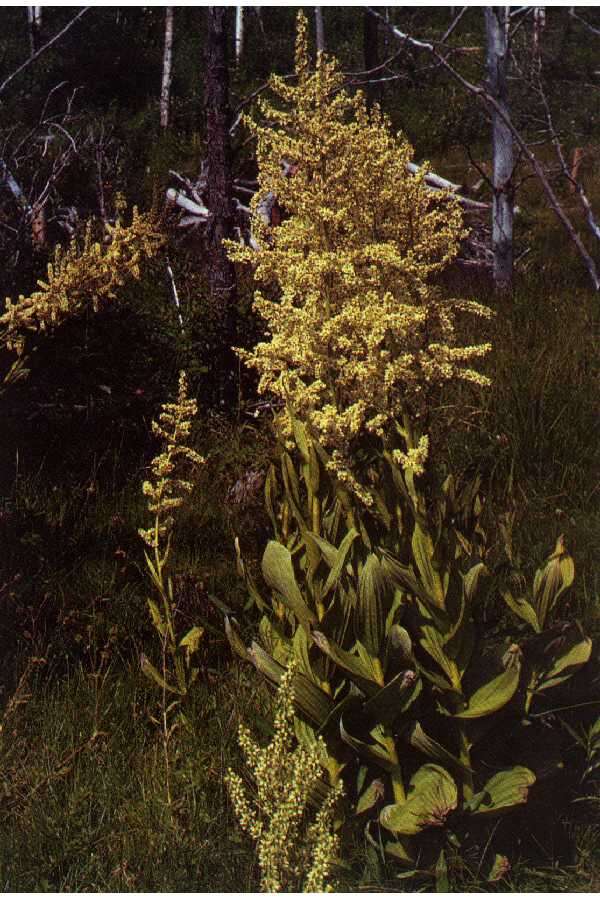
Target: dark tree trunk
<point>502,147</point>
<point>221,273</point>
<point>374,92</point>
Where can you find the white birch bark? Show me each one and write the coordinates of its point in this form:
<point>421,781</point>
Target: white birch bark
<point>239,33</point>
<point>167,74</point>
<point>320,29</point>
<point>502,146</point>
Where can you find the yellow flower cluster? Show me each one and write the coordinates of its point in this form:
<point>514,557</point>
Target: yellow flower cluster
<point>166,491</point>
<point>357,335</point>
<point>91,272</point>
<point>290,853</point>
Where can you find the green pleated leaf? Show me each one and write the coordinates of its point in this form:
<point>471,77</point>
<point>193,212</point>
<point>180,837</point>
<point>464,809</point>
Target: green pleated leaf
<point>265,663</point>
<point>370,796</point>
<point>492,696</point>
<point>552,580</point>
<point>432,796</point>
<point>423,551</point>
<point>432,642</point>
<point>191,639</point>
<point>340,561</point>
<point>472,580</point>
<point>420,740</point>
<point>565,665</point>
<point>522,608</point>
<point>502,792</point>
<point>373,589</point>
<point>395,698</point>
<point>278,572</point>
<point>157,618</point>
<point>372,752</point>
<point>235,640</point>
<point>360,667</point>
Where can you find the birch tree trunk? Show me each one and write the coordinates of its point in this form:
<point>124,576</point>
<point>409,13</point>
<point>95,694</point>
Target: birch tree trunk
<point>371,55</point>
<point>496,18</point>
<point>221,273</point>
<point>320,29</point>
<point>34,23</point>
<point>239,33</point>
<point>167,75</point>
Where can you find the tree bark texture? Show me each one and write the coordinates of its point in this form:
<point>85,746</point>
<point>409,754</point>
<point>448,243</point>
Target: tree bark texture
<point>221,272</point>
<point>320,29</point>
<point>496,18</point>
<point>239,33</point>
<point>371,54</point>
<point>167,75</point>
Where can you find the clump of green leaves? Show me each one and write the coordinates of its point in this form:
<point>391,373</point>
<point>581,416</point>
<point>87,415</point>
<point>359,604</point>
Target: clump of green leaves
<point>292,850</point>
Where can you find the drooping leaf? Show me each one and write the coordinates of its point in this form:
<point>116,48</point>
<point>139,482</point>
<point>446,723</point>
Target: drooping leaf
<point>359,668</point>
<point>432,796</point>
<point>502,792</point>
<point>191,639</point>
<point>370,796</point>
<point>157,618</point>
<point>552,580</point>
<point>567,663</point>
<point>395,698</point>
<point>420,740</point>
<point>149,670</point>
<point>523,609</point>
<point>278,572</point>
<point>235,640</point>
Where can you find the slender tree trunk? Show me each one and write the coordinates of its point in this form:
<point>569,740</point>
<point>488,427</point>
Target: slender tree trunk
<point>371,53</point>
<point>167,75</point>
<point>320,29</point>
<point>239,33</point>
<point>34,22</point>
<point>502,147</point>
<point>221,272</point>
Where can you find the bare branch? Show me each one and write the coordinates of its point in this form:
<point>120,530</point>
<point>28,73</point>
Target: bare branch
<point>42,49</point>
<point>491,105</point>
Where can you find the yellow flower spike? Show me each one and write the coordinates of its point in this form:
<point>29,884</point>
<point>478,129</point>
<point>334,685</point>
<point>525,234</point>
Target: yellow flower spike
<point>355,329</point>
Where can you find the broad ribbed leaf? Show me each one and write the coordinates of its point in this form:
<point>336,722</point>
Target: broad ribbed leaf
<point>373,588</point>
<point>361,667</point>
<point>235,641</point>
<point>396,697</point>
<point>432,643</point>
<point>340,561</point>
<point>423,551</point>
<point>492,696</point>
<point>523,609</point>
<point>502,792</point>
<point>566,665</point>
<point>374,752</point>
<point>552,581</point>
<point>370,796</point>
<point>432,796</point>
<point>420,740</point>
<point>278,572</point>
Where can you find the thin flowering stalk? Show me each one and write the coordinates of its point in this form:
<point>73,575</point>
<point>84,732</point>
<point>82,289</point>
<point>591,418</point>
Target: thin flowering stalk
<point>166,491</point>
<point>290,851</point>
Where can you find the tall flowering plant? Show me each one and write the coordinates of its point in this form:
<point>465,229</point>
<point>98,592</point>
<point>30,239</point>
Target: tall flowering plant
<point>377,569</point>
